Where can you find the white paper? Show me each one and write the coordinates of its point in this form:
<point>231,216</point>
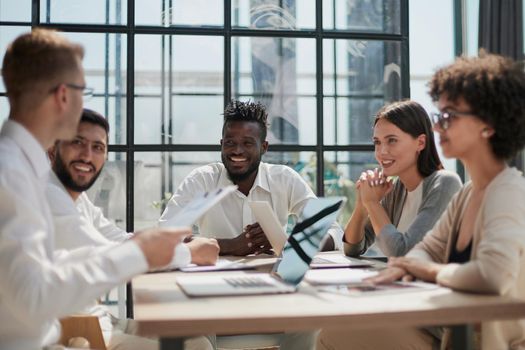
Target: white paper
<point>199,205</point>
<point>338,276</point>
<point>221,265</point>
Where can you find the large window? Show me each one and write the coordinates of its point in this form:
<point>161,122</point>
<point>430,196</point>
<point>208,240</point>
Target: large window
<point>163,71</point>
<point>431,49</point>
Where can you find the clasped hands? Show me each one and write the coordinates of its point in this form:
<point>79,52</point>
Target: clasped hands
<point>251,241</point>
<point>373,185</point>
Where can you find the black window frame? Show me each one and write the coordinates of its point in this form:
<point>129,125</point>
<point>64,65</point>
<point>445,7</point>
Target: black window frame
<point>129,148</point>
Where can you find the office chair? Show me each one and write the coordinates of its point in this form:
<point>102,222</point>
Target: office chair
<point>84,326</point>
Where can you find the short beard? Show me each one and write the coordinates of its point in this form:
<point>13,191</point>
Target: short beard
<point>65,177</point>
<point>236,178</point>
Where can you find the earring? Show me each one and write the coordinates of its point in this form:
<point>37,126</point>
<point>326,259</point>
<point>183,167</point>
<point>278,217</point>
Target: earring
<point>485,133</point>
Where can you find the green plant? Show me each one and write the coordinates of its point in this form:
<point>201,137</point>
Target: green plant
<point>163,202</point>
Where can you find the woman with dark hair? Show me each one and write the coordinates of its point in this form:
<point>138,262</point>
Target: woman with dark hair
<point>390,218</point>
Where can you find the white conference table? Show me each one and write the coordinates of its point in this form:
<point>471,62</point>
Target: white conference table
<point>163,310</point>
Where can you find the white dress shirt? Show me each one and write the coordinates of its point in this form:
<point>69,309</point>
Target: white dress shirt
<point>80,223</point>
<point>279,185</point>
<point>37,285</point>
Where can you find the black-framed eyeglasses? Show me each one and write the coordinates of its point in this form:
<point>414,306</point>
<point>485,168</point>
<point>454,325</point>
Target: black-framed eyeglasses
<point>443,119</point>
<point>87,92</point>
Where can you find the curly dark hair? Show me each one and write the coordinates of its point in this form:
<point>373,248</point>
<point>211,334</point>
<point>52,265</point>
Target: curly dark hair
<point>247,112</point>
<point>494,88</point>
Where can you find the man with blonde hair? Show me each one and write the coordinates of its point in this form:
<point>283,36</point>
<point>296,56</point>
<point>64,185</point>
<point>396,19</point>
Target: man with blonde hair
<point>44,80</point>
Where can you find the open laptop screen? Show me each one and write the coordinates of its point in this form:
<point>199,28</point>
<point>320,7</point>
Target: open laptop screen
<point>306,238</point>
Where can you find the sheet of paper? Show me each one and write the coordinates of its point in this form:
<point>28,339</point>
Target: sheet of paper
<point>221,265</point>
<point>198,206</point>
<point>370,289</point>
<point>338,276</point>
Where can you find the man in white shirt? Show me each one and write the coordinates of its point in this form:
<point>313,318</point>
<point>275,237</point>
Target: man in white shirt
<point>77,164</point>
<point>44,80</point>
<point>231,221</point>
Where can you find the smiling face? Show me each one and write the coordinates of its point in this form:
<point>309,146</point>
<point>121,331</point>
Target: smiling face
<point>241,150</point>
<point>464,136</point>
<point>78,163</point>
<point>395,150</point>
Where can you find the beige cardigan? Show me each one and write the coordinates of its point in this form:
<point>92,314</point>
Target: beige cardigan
<point>497,262</point>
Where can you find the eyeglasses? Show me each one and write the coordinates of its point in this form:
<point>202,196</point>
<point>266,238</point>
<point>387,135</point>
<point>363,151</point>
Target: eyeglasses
<point>443,119</point>
<point>87,92</point>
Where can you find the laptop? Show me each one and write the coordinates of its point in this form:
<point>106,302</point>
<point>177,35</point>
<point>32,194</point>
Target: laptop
<point>301,246</point>
<point>277,237</point>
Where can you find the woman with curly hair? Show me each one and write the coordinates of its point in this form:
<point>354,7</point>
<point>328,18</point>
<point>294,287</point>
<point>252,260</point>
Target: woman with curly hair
<point>478,244</point>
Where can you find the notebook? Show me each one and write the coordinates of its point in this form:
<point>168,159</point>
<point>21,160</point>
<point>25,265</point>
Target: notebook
<point>301,246</point>
<point>277,237</point>
<point>199,205</point>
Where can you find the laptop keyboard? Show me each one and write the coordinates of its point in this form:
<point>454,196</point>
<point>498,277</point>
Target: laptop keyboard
<point>247,282</point>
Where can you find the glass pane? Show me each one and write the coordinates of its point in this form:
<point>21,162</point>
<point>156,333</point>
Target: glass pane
<point>274,14</point>
<point>153,188</point>
<point>114,109</point>
<point>363,68</point>
<point>4,109</point>
<point>198,119</point>
<point>437,48</point>
<point>105,70</point>
<point>349,120</point>
<point>383,16</point>
<point>81,11</point>
<point>179,84</point>
<point>195,120</point>
<point>15,10</point>
<point>305,163</point>
<point>182,12</point>
<point>280,73</point>
<point>359,77</point>
<point>341,170</point>
<point>109,191</point>
<point>7,35</point>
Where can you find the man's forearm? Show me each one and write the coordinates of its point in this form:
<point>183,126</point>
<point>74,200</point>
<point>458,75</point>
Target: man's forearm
<point>225,246</point>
